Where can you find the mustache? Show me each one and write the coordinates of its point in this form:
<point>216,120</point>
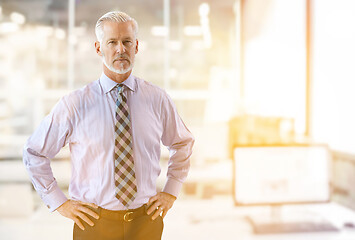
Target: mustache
<point>120,57</point>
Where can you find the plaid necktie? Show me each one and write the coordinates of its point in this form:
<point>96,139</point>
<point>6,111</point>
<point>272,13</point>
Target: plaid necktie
<point>125,178</point>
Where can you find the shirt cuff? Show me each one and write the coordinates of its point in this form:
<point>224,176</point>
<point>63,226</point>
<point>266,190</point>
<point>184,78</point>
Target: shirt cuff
<point>172,187</point>
<point>54,199</point>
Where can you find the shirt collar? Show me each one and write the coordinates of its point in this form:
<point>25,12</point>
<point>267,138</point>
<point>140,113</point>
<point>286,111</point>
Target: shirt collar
<point>108,84</point>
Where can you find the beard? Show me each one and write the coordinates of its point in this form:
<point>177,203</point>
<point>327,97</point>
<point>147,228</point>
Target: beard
<point>122,69</point>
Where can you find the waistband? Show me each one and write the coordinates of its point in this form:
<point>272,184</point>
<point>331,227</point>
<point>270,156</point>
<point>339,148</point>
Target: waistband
<point>122,215</point>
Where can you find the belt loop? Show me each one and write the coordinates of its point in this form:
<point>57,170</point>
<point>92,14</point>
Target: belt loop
<point>145,208</point>
<point>99,211</point>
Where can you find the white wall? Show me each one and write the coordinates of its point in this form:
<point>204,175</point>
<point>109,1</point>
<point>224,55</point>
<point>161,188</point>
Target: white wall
<point>333,108</point>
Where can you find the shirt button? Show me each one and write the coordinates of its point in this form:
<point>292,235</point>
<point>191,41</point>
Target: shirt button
<point>48,206</point>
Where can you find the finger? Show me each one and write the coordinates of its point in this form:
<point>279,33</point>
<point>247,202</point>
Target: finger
<point>89,212</point>
<point>164,213</point>
<point>89,204</point>
<point>156,214</point>
<point>85,218</point>
<point>80,225</point>
<point>153,207</point>
<point>152,199</point>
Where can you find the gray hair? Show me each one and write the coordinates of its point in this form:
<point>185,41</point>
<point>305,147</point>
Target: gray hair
<point>114,16</point>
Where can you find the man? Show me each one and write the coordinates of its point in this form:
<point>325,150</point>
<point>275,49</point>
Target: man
<point>114,127</point>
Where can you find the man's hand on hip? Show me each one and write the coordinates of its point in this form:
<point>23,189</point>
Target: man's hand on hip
<point>160,203</point>
<point>76,210</point>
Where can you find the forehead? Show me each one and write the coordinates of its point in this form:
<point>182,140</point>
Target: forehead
<point>117,29</point>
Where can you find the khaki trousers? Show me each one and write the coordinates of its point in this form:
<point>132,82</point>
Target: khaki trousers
<point>121,225</point>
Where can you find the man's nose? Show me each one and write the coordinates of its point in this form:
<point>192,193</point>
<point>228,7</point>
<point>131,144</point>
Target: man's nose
<point>120,47</point>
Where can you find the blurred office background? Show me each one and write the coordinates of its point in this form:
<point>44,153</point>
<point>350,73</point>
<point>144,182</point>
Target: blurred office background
<point>239,71</point>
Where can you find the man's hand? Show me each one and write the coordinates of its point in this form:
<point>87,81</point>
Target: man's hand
<point>76,210</point>
<point>160,203</point>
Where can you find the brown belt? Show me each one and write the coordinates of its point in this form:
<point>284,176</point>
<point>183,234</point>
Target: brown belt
<point>122,215</point>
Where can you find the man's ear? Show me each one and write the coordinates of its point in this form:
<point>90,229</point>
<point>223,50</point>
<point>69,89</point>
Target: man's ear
<point>136,46</point>
<point>98,48</point>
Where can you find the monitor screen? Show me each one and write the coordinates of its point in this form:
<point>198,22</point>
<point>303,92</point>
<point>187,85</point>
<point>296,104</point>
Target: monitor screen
<point>281,174</point>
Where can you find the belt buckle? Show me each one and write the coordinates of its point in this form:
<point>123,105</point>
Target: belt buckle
<point>126,217</point>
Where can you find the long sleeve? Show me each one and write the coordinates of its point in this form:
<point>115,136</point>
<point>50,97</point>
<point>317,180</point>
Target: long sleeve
<point>179,141</point>
<point>52,134</point>
<point>85,120</point>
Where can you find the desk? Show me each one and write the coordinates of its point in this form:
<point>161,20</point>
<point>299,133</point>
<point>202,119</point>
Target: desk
<point>220,219</point>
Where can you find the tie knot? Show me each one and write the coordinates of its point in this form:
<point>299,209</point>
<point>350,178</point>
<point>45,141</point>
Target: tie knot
<point>119,88</point>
